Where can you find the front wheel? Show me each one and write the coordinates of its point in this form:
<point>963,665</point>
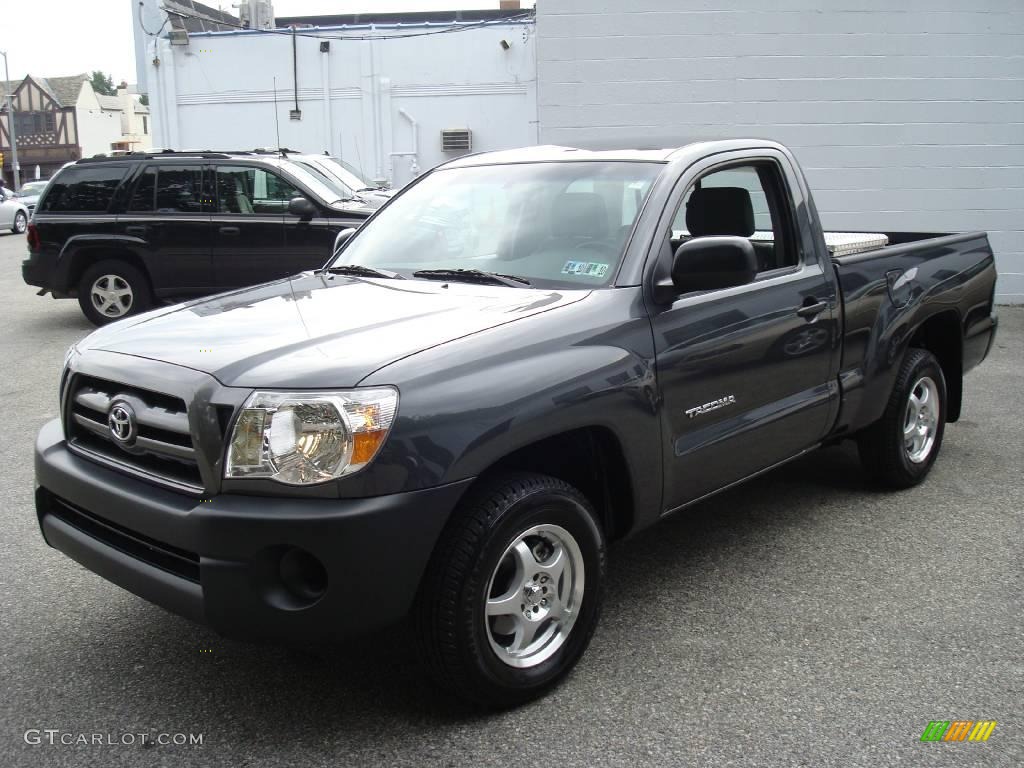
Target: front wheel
<point>20,223</point>
<point>514,590</point>
<point>900,448</point>
<point>113,289</point>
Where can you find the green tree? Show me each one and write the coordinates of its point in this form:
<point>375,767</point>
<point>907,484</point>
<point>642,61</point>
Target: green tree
<point>144,99</point>
<point>102,83</point>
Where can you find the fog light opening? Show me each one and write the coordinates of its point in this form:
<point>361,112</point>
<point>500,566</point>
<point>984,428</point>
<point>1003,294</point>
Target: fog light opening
<point>303,577</point>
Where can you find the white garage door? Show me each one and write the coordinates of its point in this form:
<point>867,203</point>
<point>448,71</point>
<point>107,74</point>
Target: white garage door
<point>904,120</point>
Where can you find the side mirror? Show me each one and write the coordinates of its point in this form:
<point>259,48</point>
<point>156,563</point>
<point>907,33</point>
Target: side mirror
<point>710,263</point>
<point>341,239</point>
<point>301,207</point>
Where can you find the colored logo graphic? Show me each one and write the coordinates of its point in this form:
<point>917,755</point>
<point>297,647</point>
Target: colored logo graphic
<point>958,730</point>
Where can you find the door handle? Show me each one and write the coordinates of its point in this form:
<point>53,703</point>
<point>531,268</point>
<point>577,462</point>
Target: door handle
<point>811,311</point>
<point>229,230</point>
<point>135,229</point>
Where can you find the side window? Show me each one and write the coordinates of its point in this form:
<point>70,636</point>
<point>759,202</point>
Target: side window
<point>179,189</point>
<point>242,189</point>
<point>144,196</point>
<point>82,189</point>
<point>745,201</point>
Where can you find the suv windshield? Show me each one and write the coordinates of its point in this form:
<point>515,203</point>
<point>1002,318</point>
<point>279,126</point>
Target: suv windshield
<point>558,225</point>
<point>313,182</point>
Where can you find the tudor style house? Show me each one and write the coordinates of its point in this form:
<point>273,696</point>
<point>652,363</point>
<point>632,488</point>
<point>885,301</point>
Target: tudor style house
<point>60,119</point>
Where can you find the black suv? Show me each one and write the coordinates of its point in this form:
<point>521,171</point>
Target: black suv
<point>123,233</point>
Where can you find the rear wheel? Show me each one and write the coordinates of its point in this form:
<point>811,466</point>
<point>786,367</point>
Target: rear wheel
<point>899,449</point>
<point>20,223</point>
<point>113,289</point>
<point>513,591</point>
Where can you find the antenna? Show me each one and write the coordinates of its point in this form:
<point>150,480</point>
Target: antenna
<point>277,126</point>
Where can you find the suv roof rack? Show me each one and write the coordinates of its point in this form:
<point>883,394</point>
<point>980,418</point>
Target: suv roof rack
<point>204,153</point>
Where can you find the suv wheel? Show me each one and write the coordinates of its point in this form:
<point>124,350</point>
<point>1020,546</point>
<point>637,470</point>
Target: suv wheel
<point>513,591</point>
<point>20,223</point>
<point>899,449</point>
<point>112,289</point>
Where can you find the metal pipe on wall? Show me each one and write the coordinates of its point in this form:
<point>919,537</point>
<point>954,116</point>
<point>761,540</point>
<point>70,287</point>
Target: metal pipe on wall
<point>325,79</point>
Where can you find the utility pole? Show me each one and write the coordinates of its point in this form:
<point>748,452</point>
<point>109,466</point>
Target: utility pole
<point>10,124</point>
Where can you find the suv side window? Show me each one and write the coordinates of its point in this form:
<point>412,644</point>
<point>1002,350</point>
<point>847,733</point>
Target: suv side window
<point>82,189</point>
<point>747,200</point>
<point>244,189</point>
<point>179,189</point>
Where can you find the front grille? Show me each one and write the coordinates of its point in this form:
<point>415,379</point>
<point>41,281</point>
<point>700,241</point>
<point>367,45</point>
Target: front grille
<point>162,450</point>
<point>180,562</point>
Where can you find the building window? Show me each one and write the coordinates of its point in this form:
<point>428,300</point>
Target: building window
<point>32,123</point>
<point>145,124</point>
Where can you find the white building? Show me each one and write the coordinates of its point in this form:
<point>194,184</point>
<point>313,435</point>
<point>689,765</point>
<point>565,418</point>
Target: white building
<point>906,116</point>
<point>391,98</point>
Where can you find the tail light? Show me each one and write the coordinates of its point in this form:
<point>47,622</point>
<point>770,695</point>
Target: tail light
<point>33,237</point>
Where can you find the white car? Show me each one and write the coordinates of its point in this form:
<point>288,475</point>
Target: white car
<point>29,193</point>
<point>13,215</point>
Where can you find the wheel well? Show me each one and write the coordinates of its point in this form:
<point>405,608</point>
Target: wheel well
<point>940,335</point>
<point>591,460</point>
<point>86,257</point>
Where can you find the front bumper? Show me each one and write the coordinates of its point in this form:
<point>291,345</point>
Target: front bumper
<point>223,561</point>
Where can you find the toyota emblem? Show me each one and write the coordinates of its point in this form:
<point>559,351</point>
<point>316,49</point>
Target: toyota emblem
<point>121,422</point>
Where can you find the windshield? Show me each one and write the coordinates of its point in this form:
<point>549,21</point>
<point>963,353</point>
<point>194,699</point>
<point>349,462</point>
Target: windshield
<point>32,188</point>
<point>558,225</point>
<point>314,182</point>
<point>322,174</point>
<point>344,172</point>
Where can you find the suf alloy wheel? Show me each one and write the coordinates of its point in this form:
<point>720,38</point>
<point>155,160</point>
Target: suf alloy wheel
<point>534,596</point>
<point>900,448</point>
<point>921,421</point>
<point>513,591</point>
<point>113,289</point>
<point>111,296</point>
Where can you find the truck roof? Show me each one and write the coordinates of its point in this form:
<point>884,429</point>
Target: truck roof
<point>556,153</point>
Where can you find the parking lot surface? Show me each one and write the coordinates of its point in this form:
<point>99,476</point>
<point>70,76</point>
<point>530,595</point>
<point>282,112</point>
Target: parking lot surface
<point>802,619</point>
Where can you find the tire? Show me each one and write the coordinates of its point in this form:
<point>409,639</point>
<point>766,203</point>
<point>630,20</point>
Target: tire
<point>485,658</point>
<point>890,457</point>
<point>109,302</point>
<point>20,223</point>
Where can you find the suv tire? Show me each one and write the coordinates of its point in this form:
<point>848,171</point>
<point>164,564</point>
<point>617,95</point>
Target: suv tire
<point>900,448</point>
<point>20,223</point>
<point>111,290</point>
<point>513,591</point>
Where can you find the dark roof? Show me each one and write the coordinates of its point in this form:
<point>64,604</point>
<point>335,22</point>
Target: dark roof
<point>411,17</point>
<point>63,90</point>
<point>198,17</point>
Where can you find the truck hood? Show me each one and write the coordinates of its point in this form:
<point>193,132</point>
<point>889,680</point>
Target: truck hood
<point>318,330</point>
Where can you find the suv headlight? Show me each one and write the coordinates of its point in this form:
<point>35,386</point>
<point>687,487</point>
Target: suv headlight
<point>301,438</point>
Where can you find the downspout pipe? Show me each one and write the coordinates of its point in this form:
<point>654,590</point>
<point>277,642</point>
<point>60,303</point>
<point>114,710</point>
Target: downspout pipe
<point>325,79</point>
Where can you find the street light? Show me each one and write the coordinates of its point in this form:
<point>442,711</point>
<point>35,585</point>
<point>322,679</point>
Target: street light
<point>10,123</point>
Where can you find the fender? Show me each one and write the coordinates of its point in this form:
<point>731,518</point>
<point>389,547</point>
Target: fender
<point>475,400</point>
<point>76,251</point>
<point>881,322</point>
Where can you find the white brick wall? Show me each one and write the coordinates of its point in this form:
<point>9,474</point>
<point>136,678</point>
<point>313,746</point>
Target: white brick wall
<point>909,119</point>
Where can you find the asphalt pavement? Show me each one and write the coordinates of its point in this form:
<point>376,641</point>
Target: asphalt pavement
<point>803,619</point>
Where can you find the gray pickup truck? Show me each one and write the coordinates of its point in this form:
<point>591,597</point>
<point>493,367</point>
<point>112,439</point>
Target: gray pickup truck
<point>521,357</point>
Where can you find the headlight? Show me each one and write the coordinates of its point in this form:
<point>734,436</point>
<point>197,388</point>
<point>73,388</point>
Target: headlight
<point>300,438</point>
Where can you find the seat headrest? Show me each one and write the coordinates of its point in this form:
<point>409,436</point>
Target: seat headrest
<point>720,211</point>
<point>579,214</point>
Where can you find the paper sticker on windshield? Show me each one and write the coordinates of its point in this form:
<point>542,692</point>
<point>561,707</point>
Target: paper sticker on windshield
<point>585,268</point>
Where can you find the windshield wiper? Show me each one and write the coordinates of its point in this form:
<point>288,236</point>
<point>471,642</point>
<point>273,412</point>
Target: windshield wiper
<point>360,271</point>
<point>473,276</point>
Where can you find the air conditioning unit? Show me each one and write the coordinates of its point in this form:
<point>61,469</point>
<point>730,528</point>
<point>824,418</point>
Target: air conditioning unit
<point>456,140</point>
